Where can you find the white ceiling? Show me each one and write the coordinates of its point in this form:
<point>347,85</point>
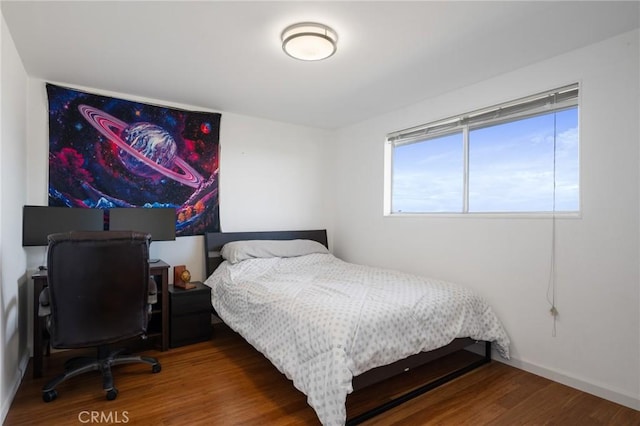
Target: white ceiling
<point>226,56</point>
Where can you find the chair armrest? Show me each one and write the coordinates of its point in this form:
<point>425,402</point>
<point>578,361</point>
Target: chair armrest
<point>152,295</point>
<point>44,309</point>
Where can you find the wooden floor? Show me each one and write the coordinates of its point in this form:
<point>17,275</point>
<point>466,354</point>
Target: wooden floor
<point>226,382</point>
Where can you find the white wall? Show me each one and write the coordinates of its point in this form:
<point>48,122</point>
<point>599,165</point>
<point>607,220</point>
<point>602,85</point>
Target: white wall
<point>271,177</point>
<point>13,280</point>
<point>597,346</point>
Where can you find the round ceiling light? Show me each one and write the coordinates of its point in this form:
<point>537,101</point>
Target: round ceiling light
<point>309,41</point>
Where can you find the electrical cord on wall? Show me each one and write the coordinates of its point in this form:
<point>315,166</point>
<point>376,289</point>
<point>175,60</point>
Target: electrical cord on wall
<point>551,286</point>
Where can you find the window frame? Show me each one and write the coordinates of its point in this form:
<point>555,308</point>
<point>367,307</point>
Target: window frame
<point>555,100</point>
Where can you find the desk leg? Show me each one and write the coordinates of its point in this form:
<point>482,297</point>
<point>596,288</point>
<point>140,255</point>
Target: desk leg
<point>38,284</point>
<point>165,309</point>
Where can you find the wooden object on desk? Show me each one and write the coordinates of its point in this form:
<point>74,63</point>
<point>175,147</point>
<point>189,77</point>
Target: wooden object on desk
<point>160,317</point>
<point>182,277</point>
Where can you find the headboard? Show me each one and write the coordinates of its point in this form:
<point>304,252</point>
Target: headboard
<point>213,241</point>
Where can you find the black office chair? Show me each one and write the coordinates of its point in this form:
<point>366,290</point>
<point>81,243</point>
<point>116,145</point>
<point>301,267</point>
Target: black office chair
<point>98,294</point>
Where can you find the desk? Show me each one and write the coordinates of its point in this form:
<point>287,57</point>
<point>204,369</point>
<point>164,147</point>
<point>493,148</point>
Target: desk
<point>159,270</point>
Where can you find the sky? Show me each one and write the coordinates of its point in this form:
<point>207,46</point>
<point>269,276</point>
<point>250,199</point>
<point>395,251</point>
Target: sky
<point>511,168</point>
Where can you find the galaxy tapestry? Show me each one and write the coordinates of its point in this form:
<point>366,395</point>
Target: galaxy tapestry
<point>106,152</point>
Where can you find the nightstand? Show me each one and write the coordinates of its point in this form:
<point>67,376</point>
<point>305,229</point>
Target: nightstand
<point>190,312</point>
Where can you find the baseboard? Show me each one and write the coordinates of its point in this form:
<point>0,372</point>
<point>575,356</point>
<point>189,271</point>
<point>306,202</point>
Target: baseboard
<point>11,393</point>
<point>601,391</point>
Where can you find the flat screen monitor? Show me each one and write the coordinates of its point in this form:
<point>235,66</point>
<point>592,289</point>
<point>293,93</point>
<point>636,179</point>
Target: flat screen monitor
<point>160,222</point>
<point>40,221</point>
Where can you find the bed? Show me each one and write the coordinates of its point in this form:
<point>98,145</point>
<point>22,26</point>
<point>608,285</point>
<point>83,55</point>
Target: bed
<point>333,327</point>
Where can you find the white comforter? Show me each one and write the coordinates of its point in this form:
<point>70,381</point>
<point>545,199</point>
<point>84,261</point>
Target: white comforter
<point>321,321</point>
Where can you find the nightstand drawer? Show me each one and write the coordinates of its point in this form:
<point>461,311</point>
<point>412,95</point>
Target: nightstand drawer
<point>190,328</point>
<point>193,300</point>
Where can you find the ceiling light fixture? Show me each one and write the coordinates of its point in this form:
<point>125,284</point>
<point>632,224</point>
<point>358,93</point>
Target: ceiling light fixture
<point>309,41</point>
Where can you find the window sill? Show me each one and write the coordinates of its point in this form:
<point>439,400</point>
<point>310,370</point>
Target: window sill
<point>510,215</point>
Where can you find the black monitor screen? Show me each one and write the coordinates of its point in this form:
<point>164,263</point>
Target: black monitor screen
<point>160,222</point>
<point>40,221</point>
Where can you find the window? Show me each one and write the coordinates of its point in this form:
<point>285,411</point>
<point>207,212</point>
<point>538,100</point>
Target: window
<point>517,157</point>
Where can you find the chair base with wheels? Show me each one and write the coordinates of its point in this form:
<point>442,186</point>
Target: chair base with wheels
<point>103,362</point>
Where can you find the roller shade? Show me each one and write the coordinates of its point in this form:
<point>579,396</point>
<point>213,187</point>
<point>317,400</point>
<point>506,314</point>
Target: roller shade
<point>541,103</point>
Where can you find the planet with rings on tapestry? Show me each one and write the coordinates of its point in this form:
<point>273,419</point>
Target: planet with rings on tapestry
<point>145,149</point>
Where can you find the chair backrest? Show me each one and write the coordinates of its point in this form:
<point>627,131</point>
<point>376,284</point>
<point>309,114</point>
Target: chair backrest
<point>98,284</point>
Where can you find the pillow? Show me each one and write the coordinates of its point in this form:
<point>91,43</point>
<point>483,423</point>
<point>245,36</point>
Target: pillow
<point>237,251</point>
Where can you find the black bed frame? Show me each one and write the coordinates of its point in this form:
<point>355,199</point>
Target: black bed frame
<point>213,246</point>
